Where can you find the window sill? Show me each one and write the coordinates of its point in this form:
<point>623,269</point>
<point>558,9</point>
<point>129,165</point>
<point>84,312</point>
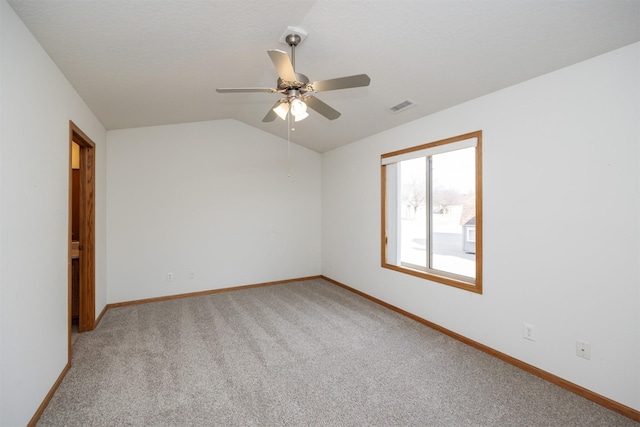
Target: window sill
<point>475,287</point>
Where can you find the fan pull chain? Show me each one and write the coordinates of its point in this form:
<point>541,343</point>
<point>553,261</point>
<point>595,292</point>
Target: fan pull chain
<point>289,145</point>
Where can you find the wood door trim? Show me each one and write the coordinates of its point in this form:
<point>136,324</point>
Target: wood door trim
<point>86,317</point>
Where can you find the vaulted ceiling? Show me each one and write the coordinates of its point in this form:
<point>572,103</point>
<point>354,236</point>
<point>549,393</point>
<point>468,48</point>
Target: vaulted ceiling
<point>155,62</point>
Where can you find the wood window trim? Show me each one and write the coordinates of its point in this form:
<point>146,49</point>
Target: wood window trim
<point>461,284</point>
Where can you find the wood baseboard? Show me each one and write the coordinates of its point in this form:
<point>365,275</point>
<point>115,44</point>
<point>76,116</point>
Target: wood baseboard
<point>208,292</point>
<point>47,399</point>
<point>554,379</point>
<point>99,318</point>
<point>561,382</point>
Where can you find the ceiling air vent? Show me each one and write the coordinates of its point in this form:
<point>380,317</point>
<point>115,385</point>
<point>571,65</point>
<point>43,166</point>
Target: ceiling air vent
<point>407,103</point>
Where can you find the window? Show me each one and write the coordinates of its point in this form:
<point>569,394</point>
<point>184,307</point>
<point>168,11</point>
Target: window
<point>432,211</point>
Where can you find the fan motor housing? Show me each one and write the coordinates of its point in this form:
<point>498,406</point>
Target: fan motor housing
<point>300,84</point>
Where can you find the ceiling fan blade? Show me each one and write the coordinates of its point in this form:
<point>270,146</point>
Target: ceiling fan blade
<point>341,83</point>
<point>271,115</point>
<point>245,89</point>
<point>283,64</point>
<point>321,107</point>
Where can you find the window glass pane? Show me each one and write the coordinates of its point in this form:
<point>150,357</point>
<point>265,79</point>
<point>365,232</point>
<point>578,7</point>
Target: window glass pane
<point>453,212</point>
<point>413,224</point>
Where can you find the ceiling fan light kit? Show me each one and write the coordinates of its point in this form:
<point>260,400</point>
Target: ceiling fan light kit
<point>301,116</point>
<point>282,109</point>
<point>297,91</point>
<point>298,107</point>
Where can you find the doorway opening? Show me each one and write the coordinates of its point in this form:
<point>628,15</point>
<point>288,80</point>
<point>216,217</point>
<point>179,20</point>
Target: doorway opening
<point>81,266</point>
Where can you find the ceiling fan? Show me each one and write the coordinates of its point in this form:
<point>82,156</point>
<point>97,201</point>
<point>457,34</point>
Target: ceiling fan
<point>297,89</point>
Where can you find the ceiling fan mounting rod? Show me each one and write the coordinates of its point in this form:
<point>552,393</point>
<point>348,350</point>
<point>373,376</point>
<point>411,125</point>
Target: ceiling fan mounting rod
<point>293,40</point>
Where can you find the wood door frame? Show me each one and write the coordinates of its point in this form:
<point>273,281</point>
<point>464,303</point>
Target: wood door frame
<point>87,300</point>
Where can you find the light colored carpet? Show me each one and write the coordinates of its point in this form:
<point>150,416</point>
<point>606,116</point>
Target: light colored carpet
<point>298,354</point>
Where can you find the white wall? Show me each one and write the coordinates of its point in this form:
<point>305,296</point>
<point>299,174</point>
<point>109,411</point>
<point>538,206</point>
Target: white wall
<point>212,198</point>
<point>36,106</point>
<point>561,222</point>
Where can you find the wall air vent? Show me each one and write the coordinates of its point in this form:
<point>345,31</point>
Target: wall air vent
<point>407,103</point>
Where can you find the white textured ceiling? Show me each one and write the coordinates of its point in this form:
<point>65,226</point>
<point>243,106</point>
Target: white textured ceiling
<point>144,63</point>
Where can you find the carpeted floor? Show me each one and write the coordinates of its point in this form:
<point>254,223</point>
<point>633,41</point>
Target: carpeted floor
<point>298,354</point>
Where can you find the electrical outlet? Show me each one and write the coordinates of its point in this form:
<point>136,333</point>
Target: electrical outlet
<point>583,349</point>
<point>529,332</point>
<point>169,277</point>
